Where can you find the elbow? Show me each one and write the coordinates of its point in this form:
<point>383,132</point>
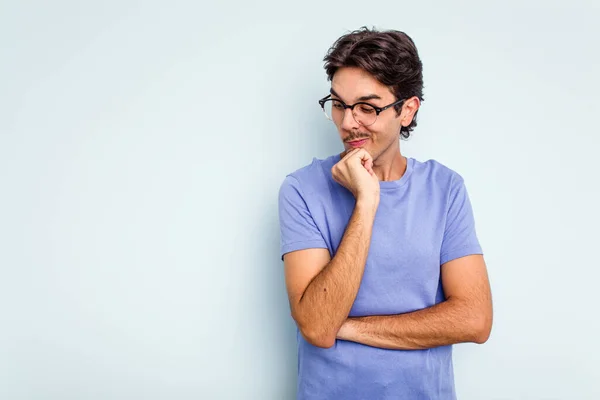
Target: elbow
<point>481,329</point>
<point>481,337</point>
<point>318,340</point>
<point>315,335</point>
<point>476,322</point>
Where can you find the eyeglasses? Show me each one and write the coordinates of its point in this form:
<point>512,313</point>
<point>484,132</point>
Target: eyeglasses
<point>365,114</point>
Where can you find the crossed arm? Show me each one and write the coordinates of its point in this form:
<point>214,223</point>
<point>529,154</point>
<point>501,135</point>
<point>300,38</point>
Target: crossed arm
<point>465,315</point>
<point>322,290</point>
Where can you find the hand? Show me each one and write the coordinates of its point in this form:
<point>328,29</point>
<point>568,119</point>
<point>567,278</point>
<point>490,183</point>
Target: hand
<point>346,330</point>
<point>355,173</point>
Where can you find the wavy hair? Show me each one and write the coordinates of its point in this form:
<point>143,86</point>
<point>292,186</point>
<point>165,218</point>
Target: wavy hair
<point>390,56</point>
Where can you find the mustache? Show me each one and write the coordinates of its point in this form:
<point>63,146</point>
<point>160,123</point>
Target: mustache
<point>356,135</point>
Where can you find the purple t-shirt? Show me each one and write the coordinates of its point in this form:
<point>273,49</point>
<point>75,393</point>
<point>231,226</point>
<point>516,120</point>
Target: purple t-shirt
<point>424,220</point>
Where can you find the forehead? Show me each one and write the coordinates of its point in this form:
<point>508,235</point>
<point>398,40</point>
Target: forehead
<point>350,83</point>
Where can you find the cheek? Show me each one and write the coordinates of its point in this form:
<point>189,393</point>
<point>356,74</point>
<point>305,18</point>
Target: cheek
<point>391,129</point>
<point>382,134</point>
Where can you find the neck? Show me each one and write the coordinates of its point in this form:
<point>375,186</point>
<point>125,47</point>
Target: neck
<point>390,167</point>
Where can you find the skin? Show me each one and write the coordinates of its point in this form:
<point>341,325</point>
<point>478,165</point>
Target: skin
<point>322,289</point>
<point>349,84</point>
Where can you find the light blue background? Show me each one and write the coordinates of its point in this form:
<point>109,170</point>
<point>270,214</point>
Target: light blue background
<point>142,145</point>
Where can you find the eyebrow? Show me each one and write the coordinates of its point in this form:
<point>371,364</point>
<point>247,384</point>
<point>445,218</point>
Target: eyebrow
<point>362,98</point>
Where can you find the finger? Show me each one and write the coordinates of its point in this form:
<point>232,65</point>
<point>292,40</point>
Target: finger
<point>349,154</point>
<point>369,165</point>
<point>362,155</point>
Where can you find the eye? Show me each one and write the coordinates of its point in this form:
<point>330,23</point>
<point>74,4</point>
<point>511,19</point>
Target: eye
<point>366,109</point>
<point>337,104</point>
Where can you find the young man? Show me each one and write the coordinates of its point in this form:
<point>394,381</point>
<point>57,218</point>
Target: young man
<point>383,267</point>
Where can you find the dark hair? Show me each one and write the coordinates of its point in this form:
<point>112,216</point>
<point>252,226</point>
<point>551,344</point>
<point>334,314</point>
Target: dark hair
<point>390,56</point>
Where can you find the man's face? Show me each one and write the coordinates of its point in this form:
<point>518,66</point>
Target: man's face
<point>352,85</point>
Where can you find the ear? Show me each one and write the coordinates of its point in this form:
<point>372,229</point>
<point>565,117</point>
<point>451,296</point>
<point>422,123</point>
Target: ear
<point>409,109</point>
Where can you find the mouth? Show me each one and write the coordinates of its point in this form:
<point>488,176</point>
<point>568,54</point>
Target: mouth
<point>358,142</point>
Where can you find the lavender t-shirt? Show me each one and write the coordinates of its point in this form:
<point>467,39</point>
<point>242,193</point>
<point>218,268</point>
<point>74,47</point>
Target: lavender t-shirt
<point>424,220</point>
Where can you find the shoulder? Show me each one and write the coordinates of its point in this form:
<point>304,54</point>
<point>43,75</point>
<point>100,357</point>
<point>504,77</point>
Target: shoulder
<point>312,177</point>
<point>434,173</point>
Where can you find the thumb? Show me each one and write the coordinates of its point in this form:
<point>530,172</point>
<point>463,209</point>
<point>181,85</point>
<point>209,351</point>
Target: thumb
<point>369,166</point>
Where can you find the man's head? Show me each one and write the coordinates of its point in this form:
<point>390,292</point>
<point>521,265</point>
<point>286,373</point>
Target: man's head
<point>380,69</point>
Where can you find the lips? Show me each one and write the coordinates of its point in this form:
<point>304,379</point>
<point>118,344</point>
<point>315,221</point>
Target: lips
<point>358,143</point>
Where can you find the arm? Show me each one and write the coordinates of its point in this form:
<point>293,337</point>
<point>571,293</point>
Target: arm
<point>322,290</point>
<point>465,315</point>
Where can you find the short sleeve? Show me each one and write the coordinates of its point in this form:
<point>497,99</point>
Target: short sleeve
<point>297,227</point>
<point>460,238</point>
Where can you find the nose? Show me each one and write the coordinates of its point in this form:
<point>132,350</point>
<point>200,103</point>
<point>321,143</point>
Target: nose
<point>348,121</point>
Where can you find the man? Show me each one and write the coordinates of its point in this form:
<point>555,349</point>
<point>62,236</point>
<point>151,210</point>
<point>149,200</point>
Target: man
<point>383,267</point>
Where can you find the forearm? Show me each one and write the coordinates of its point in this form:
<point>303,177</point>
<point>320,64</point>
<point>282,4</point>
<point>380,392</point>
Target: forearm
<point>450,322</point>
<point>327,300</point>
